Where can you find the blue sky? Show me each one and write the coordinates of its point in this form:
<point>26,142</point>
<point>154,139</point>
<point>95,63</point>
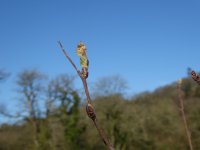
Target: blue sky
<point>149,43</point>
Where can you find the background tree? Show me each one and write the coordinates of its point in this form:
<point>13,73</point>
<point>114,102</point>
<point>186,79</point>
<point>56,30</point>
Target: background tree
<point>30,88</point>
<point>64,103</point>
<point>111,85</point>
<point>3,111</point>
<point>147,121</point>
<point>113,115</point>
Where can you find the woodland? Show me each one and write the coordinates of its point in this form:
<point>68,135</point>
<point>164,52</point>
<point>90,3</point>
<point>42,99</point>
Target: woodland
<point>52,115</point>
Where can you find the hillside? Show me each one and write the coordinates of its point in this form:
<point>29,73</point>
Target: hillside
<point>148,121</point>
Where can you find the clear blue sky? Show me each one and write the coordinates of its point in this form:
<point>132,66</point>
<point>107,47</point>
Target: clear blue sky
<point>149,43</point>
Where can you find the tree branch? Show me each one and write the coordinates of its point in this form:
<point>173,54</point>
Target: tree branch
<point>183,116</point>
<point>89,108</point>
<point>70,60</point>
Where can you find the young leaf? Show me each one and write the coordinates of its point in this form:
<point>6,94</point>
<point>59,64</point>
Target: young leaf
<point>81,52</point>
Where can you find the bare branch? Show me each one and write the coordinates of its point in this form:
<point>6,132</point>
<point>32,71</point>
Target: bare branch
<point>65,53</point>
<point>89,108</point>
<point>183,116</point>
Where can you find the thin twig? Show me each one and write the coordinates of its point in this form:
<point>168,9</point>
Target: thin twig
<point>89,108</point>
<point>183,116</point>
<point>65,53</point>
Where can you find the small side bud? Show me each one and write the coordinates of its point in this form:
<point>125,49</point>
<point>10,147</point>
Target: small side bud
<point>193,73</point>
<point>195,77</point>
<point>90,111</point>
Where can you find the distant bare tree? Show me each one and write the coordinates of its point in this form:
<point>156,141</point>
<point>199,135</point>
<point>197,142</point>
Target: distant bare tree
<point>30,87</point>
<point>3,111</point>
<point>60,91</point>
<point>109,86</point>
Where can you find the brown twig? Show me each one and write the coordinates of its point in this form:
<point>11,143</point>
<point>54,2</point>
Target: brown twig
<point>89,108</point>
<point>195,77</point>
<point>183,116</point>
<point>65,53</point>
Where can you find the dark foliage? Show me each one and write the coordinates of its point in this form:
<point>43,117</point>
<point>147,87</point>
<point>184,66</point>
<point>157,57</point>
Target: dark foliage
<point>148,121</point>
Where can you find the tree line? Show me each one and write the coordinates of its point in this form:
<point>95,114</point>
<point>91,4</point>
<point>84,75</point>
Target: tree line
<point>52,115</point>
